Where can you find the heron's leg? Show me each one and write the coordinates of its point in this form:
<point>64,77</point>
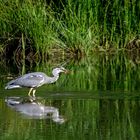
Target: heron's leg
<point>29,94</point>
<point>34,90</point>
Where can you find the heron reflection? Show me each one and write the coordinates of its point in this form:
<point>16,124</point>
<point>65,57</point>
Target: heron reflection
<point>34,109</point>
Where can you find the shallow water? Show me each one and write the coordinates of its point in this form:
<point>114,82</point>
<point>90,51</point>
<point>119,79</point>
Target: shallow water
<point>99,99</point>
<point>79,116</point>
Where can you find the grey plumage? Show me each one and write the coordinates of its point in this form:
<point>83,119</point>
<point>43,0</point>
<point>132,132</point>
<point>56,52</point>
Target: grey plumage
<point>34,80</point>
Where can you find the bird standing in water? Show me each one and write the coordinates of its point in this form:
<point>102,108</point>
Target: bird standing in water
<point>34,80</point>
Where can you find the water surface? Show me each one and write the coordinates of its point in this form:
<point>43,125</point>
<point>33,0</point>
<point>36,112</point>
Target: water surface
<point>99,99</point>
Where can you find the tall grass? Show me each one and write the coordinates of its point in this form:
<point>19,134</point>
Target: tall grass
<point>71,25</point>
<point>27,18</point>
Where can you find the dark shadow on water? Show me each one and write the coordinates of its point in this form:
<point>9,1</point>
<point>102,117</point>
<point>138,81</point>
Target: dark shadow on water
<point>34,109</point>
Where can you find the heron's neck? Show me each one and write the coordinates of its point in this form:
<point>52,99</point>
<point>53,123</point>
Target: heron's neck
<point>52,79</point>
<point>55,77</point>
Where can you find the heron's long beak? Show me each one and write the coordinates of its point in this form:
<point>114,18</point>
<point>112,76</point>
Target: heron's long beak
<point>67,71</point>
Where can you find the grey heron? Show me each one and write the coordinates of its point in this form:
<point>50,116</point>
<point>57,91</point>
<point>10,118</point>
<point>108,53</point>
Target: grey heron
<point>34,80</point>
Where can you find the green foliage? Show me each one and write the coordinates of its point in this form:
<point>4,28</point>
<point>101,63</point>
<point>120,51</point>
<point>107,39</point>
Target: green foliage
<point>82,24</point>
<point>26,18</point>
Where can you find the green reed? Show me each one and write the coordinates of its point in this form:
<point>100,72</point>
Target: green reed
<point>71,25</point>
<point>29,19</point>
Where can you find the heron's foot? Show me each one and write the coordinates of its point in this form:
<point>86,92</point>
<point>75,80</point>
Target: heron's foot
<point>31,94</point>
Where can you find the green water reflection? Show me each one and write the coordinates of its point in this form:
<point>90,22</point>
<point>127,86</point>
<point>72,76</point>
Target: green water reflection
<point>84,119</point>
<point>99,99</point>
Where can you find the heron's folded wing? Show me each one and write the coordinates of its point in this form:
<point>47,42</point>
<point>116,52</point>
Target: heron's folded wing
<point>31,80</point>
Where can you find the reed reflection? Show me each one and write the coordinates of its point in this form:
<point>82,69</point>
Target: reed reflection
<point>34,109</point>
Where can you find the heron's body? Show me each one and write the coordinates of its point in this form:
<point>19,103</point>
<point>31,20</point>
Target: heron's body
<point>34,80</point>
<point>31,80</point>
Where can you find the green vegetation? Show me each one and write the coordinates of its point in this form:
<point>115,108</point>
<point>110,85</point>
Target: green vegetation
<point>99,98</point>
<point>77,27</point>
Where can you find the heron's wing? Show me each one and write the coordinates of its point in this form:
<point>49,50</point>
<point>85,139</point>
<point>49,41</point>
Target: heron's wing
<point>28,80</point>
<point>31,80</point>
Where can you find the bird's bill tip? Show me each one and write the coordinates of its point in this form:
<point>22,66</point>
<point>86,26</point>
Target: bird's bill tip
<point>67,71</point>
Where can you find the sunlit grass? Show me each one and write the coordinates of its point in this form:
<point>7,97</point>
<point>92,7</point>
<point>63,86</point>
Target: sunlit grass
<point>73,26</point>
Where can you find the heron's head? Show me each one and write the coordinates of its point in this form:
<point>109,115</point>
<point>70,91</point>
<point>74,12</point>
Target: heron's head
<point>56,71</point>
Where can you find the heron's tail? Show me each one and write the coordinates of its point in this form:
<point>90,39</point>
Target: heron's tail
<point>12,86</point>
